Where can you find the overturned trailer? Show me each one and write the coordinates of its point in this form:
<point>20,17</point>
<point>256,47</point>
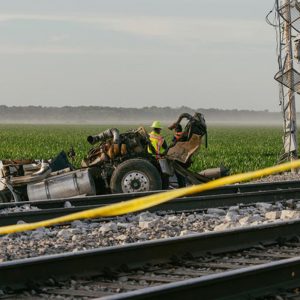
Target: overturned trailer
<point>117,163</point>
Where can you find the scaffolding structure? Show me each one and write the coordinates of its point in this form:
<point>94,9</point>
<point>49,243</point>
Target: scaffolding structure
<point>287,24</point>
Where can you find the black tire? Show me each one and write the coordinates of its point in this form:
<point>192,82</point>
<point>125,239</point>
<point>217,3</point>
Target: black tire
<point>135,175</point>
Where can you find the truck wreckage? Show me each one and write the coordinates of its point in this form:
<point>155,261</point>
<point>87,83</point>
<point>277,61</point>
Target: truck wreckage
<point>117,163</point>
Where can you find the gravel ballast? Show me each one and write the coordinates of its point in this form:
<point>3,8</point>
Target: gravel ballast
<point>82,235</point>
<point>287,176</point>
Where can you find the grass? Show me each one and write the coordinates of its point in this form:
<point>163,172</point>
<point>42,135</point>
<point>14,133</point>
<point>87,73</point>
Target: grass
<point>239,148</point>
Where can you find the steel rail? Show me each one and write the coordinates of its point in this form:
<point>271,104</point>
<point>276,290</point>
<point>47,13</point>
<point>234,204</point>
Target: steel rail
<point>19,273</point>
<point>113,198</point>
<point>182,204</point>
<point>246,283</point>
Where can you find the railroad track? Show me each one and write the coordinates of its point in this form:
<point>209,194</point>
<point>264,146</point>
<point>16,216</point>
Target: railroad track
<point>253,261</point>
<point>113,198</point>
<point>245,194</point>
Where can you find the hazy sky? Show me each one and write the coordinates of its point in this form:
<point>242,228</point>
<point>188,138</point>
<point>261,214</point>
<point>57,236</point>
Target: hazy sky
<point>135,53</point>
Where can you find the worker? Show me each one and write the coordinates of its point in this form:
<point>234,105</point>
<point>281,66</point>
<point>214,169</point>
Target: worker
<point>158,146</point>
<point>179,136</point>
<point>178,133</point>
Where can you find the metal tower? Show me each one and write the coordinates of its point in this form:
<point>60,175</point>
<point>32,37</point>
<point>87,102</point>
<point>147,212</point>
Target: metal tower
<point>287,24</point>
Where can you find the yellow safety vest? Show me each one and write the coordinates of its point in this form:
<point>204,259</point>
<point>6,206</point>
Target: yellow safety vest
<point>157,143</point>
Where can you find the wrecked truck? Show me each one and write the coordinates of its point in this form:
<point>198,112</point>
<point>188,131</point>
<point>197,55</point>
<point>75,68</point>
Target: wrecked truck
<point>116,163</point>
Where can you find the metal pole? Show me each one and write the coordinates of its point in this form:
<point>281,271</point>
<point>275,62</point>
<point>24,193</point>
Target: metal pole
<point>290,130</point>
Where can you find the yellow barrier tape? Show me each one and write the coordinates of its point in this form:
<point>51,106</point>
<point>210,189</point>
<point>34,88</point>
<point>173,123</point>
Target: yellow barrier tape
<point>149,201</point>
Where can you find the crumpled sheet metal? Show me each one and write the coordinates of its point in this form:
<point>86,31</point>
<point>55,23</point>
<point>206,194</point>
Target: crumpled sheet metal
<point>182,151</point>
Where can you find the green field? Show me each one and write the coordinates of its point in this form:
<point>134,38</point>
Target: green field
<point>240,148</point>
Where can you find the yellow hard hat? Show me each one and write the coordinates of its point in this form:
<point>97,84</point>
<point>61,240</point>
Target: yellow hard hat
<point>156,124</point>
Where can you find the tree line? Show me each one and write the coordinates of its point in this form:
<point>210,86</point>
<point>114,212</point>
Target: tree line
<point>121,115</point>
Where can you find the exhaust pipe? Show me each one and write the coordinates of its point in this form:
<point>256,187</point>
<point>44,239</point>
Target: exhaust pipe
<point>107,134</point>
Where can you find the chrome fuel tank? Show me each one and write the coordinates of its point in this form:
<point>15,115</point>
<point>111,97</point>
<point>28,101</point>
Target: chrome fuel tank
<point>71,184</point>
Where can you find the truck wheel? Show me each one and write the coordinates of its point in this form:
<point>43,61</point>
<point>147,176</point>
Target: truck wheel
<point>135,175</point>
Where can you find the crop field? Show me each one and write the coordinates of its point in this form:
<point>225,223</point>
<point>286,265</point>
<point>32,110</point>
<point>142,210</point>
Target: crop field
<point>242,148</point>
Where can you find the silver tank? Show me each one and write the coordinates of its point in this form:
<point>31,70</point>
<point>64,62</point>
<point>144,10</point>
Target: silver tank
<point>71,184</point>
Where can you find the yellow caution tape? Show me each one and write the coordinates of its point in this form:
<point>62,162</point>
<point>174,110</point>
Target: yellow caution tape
<point>142,203</point>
